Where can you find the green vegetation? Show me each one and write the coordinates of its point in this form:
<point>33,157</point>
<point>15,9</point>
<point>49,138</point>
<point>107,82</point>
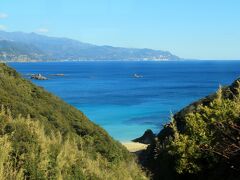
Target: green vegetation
<point>41,137</point>
<point>202,141</point>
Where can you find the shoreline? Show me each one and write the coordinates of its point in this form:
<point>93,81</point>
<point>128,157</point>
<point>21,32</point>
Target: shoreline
<point>134,147</point>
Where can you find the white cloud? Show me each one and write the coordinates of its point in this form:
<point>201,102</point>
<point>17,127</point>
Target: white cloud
<point>3,15</point>
<point>2,27</point>
<point>42,30</point>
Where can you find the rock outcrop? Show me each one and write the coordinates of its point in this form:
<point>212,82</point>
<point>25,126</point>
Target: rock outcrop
<point>38,77</point>
<point>147,138</point>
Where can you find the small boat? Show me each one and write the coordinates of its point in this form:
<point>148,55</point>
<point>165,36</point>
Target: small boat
<point>138,76</point>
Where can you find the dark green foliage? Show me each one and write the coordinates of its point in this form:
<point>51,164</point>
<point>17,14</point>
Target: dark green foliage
<point>202,141</point>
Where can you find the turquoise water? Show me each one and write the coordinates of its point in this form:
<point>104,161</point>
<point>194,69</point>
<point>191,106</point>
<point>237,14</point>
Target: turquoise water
<point>126,106</point>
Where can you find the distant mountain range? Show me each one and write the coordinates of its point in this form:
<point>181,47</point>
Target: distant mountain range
<point>19,46</point>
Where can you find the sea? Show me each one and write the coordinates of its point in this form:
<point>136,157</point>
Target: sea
<point>126,98</point>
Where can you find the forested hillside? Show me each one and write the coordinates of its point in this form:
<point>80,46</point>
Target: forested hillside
<point>42,137</point>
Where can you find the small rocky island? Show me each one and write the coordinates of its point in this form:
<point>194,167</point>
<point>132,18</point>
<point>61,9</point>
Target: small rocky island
<point>147,138</point>
<point>38,77</point>
<point>57,74</point>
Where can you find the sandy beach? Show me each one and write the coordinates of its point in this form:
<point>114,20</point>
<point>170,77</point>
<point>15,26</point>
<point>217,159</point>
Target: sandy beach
<point>134,146</point>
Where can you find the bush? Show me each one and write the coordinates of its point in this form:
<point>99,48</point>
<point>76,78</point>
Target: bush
<point>202,141</point>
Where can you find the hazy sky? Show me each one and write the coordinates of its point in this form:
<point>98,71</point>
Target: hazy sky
<point>203,29</point>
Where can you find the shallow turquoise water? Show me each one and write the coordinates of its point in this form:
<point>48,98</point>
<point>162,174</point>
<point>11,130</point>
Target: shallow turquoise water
<point>126,106</point>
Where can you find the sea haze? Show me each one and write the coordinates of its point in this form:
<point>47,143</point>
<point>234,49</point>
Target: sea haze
<point>110,96</point>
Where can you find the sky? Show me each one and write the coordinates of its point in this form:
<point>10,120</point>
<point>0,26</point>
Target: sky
<point>199,29</point>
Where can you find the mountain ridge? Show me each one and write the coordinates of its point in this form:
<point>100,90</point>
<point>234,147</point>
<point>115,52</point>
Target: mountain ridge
<point>46,48</point>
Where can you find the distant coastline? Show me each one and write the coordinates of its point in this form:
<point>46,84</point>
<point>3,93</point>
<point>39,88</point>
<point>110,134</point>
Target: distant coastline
<point>127,60</point>
<point>122,60</point>
<point>19,46</point>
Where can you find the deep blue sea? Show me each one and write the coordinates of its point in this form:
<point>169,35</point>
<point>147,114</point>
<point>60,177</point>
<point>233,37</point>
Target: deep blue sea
<point>126,106</point>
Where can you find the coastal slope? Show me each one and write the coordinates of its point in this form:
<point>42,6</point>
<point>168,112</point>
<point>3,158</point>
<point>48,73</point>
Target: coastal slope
<point>42,137</point>
<point>202,141</point>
